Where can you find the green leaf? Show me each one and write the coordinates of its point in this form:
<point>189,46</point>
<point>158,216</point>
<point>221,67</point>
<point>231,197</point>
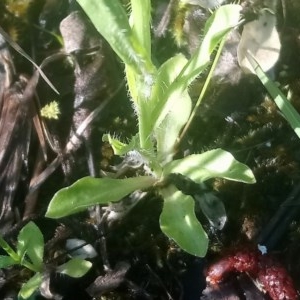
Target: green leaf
<point>178,106</point>
<point>31,286</point>
<point>90,191</point>
<point>31,243</point>
<point>285,106</point>
<point>168,131</point>
<point>210,164</point>
<point>218,25</point>
<point>141,18</point>
<point>119,147</point>
<point>9,250</point>
<point>166,75</point>
<point>75,267</point>
<point>110,19</point>
<point>140,87</point>
<point>178,221</point>
<point>6,261</point>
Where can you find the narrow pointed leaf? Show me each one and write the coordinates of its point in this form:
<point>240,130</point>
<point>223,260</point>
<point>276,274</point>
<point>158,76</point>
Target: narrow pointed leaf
<point>217,26</point>
<point>225,18</point>
<point>285,106</point>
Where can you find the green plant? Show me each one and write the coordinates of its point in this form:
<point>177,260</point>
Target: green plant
<point>258,51</point>
<point>285,106</point>
<point>29,254</point>
<point>163,106</point>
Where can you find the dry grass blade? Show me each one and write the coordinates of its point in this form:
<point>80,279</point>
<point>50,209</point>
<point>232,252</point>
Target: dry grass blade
<point>71,145</point>
<point>23,53</point>
<point>16,105</point>
<point>14,130</point>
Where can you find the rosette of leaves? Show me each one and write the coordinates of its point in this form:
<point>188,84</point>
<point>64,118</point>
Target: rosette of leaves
<point>163,106</point>
<point>29,253</point>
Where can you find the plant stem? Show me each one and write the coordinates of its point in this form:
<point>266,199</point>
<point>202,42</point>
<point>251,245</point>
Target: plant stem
<point>5,246</point>
<point>30,266</point>
<point>145,139</point>
<point>205,86</point>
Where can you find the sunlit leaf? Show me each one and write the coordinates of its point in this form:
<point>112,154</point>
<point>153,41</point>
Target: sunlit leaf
<point>210,164</point>
<point>168,131</point>
<point>90,191</point>
<point>141,18</point>
<point>31,286</point>
<point>219,24</point>
<point>75,267</point>
<point>140,87</point>
<point>111,20</point>
<point>285,106</point>
<point>178,105</point>
<point>31,243</point>
<point>178,221</point>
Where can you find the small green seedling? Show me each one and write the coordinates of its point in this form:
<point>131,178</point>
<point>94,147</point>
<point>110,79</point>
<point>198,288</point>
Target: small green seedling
<point>163,106</point>
<point>29,254</point>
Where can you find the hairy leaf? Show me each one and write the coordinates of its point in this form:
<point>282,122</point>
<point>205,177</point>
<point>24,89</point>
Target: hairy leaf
<point>219,24</point>
<point>119,147</point>
<point>179,106</point>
